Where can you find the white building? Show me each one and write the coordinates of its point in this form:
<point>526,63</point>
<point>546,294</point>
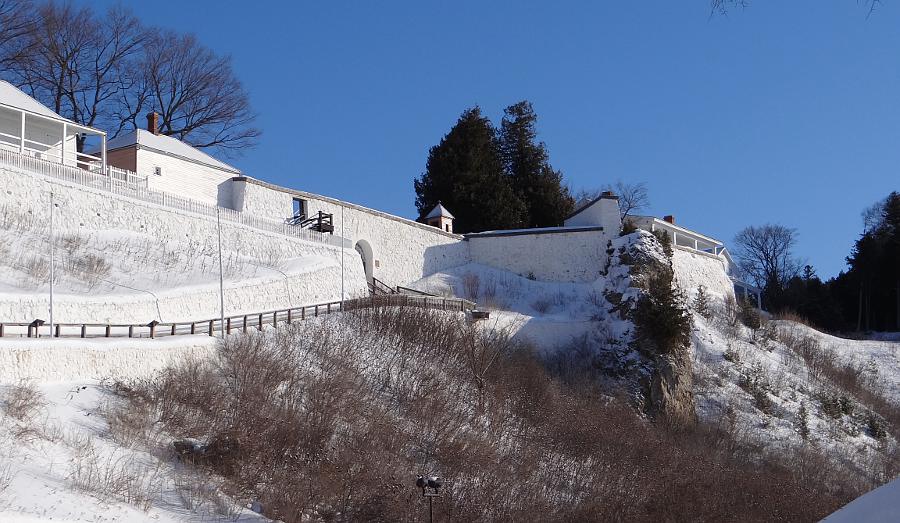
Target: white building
<point>692,241</point>
<point>29,128</point>
<point>172,166</point>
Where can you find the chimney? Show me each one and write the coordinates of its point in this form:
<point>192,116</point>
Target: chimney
<point>607,194</point>
<point>153,122</point>
<point>670,219</point>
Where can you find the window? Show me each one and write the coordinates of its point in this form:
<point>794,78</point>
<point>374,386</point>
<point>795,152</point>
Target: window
<point>299,207</point>
<point>447,227</point>
<point>157,171</point>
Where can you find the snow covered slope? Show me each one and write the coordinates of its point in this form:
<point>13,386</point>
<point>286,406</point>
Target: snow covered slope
<point>59,463</point>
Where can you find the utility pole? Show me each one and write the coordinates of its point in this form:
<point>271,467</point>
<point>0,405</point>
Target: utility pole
<point>51,260</point>
<point>221,276</point>
<point>342,257</point>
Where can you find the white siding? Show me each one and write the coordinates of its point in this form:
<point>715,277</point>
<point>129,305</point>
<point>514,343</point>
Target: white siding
<point>183,178</point>
<point>604,213</point>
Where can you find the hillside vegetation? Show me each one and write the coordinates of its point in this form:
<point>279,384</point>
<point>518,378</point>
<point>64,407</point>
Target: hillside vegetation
<point>333,420</point>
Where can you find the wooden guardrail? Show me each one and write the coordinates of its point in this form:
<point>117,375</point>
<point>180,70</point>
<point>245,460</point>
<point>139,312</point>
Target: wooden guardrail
<point>232,324</point>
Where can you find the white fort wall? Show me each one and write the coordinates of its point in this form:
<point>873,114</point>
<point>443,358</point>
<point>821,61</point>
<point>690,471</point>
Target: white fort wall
<point>555,255</point>
<point>83,208</point>
<point>694,268</point>
<point>401,251</point>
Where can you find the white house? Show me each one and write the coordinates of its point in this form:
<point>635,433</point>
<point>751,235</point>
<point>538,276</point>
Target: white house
<point>686,239</point>
<point>30,129</point>
<point>171,165</point>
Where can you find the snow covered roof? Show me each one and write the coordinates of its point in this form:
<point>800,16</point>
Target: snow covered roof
<point>14,97</point>
<point>167,145</point>
<point>439,211</point>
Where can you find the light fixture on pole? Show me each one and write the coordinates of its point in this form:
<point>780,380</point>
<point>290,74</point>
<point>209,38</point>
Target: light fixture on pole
<point>430,482</point>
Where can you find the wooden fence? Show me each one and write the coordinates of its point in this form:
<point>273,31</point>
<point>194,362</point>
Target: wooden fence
<point>233,324</point>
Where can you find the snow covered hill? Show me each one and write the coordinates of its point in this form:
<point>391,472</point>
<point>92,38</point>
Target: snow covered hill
<point>783,385</point>
<point>59,462</point>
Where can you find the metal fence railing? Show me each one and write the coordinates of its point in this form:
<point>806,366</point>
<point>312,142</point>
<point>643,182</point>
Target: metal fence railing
<point>232,324</point>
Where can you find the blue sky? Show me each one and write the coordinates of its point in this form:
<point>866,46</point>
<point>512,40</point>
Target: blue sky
<point>786,112</point>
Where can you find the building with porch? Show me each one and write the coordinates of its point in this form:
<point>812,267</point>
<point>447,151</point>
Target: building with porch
<point>692,241</point>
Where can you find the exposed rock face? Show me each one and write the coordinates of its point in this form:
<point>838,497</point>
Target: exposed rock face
<point>662,333</point>
<point>671,388</point>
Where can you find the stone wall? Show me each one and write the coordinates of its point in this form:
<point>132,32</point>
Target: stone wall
<point>558,255</point>
<point>401,250</point>
<point>82,208</point>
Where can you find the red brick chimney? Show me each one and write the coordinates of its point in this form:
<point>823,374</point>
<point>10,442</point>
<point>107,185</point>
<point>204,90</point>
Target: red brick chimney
<point>153,122</point>
<point>670,219</point>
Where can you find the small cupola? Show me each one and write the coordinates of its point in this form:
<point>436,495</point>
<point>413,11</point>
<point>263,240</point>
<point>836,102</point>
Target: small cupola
<point>441,218</point>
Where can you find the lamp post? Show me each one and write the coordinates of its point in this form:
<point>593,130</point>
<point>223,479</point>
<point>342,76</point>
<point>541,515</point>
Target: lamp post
<point>343,239</point>
<point>52,264</point>
<point>221,277</point>
<point>433,483</point>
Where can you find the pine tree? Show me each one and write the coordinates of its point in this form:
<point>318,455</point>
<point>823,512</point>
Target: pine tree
<point>701,303</point>
<point>527,163</point>
<point>465,173</point>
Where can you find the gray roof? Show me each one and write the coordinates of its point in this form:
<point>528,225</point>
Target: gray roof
<point>438,211</point>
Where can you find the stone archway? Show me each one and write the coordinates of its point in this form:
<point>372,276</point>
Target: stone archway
<point>368,260</point>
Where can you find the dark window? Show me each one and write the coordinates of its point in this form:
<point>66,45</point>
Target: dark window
<point>299,207</point>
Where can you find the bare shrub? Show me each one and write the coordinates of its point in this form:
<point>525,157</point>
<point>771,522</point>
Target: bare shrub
<point>92,268</point>
<point>332,420</point>
<point>115,478</point>
<point>541,305</point>
<point>471,283</point>
<point>37,268</point>
<point>22,401</point>
<point>6,476</point>
<point>72,243</point>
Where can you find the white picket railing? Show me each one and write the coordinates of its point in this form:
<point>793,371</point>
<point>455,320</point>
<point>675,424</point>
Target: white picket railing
<point>129,184</point>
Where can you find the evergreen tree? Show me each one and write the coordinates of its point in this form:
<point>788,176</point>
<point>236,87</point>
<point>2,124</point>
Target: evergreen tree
<point>527,163</point>
<point>465,173</point>
<point>869,291</point>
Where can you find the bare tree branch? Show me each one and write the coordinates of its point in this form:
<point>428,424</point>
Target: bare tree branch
<point>199,98</point>
<point>16,24</point>
<point>633,197</point>
<point>765,254</point>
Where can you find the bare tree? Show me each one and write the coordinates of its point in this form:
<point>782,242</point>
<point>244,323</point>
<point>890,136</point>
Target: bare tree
<point>198,96</point>
<point>108,71</point>
<point>633,197</point>
<point>721,7</point>
<point>77,60</point>
<point>16,23</point>
<point>765,254</point>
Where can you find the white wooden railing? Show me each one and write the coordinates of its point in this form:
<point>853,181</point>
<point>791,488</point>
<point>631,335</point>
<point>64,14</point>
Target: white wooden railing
<point>128,184</point>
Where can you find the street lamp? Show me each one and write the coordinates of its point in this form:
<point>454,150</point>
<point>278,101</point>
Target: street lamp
<point>430,482</point>
<point>52,256</point>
